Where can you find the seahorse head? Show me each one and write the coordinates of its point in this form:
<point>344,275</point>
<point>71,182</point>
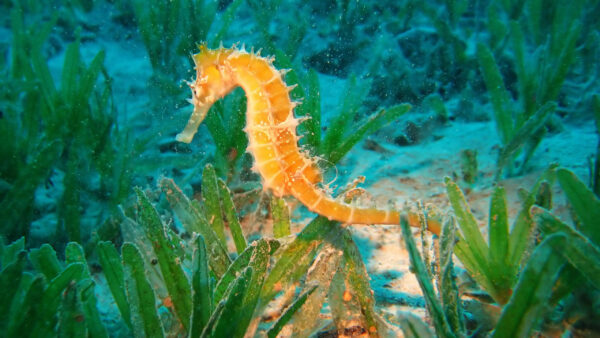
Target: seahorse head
<point>213,76</point>
<point>213,81</point>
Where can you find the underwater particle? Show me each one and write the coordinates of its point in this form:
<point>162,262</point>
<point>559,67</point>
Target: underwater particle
<point>544,196</point>
<point>354,331</point>
<point>174,147</point>
<point>376,147</point>
<point>167,302</point>
<point>347,296</point>
<point>277,287</point>
<point>402,140</point>
<point>468,165</point>
<point>412,132</point>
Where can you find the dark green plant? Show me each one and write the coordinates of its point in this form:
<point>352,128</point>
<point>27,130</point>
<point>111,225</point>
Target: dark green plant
<point>204,295</point>
<point>445,27</point>
<point>595,163</point>
<point>521,120</point>
<point>140,296</point>
<point>582,247</point>
<point>67,126</point>
<point>446,311</point>
<point>412,326</point>
<point>69,121</point>
<point>529,300</point>
<point>170,31</point>
<point>281,217</point>
<point>343,132</point>
<point>226,122</point>
<point>436,103</point>
<point>289,38</point>
<point>55,297</point>
<point>562,269</point>
<point>494,265</point>
<point>159,23</point>
<point>243,287</point>
<point>555,272</point>
<point>545,279</point>
<point>263,10</point>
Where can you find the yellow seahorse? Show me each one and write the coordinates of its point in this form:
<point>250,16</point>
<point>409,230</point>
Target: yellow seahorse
<point>271,129</point>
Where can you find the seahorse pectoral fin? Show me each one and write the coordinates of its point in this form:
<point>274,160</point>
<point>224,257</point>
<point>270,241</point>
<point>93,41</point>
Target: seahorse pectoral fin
<point>191,127</point>
<point>313,174</point>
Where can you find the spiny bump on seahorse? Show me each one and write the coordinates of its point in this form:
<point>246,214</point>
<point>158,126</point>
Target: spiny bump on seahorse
<point>271,129</point>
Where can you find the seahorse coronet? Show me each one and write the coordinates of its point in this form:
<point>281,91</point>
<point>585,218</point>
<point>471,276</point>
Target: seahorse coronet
<point>286,169</point>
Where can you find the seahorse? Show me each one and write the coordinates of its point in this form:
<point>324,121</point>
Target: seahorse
<point>271,129</point>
